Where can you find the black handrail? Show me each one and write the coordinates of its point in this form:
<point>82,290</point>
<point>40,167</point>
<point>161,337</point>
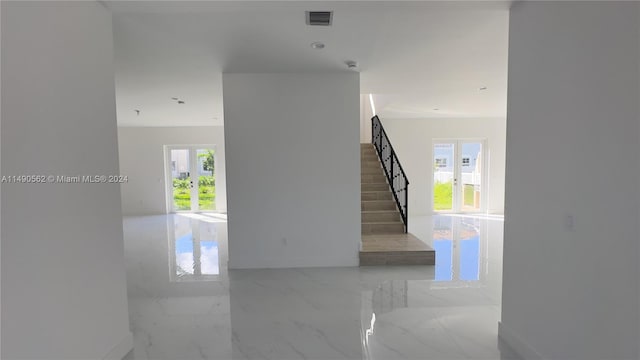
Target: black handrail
<point>396,176</point>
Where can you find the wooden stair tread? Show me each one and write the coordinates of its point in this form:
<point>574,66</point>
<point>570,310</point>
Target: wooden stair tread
<point>393,243</point>
<point>395,249</point>
<point>386,222</point>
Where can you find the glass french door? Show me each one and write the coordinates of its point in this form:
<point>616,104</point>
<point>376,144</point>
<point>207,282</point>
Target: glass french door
<point>458,176</point>
<point>191,178</point>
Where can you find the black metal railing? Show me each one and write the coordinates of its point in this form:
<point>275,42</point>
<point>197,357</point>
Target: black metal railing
<point>396,176</point>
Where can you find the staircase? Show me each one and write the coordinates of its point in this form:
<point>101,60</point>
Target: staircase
<point>384,240</point>
<point>379,212</point>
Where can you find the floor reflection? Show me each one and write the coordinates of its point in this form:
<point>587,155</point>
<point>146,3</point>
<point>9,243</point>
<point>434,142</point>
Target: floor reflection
<point>177,287</point>
<point>200,310</point>
<point>458,242</point>
<point>462,246</point>
<point>195,247</point>
<point>452,316</point>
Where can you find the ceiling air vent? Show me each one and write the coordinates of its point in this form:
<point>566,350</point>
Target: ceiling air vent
<point>319,18</point>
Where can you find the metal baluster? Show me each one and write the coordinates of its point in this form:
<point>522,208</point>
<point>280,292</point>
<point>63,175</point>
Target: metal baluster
<point>406,205</point>
<point>380,132</point>
<point>393,188</point>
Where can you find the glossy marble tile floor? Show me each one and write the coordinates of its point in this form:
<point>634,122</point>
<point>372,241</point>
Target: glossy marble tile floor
<point>184,304</point>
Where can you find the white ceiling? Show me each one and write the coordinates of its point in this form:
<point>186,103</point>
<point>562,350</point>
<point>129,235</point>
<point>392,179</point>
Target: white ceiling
<point>414,56</point>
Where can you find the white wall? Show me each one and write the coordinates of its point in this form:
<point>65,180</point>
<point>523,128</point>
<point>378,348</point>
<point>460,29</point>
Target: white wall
<point>413,141</point>
<point>293,169</point>
<point>142,159</point>
<point>63,278</point>
<point>570,286</point>
<point>0,190</point>
<point>365,118</point>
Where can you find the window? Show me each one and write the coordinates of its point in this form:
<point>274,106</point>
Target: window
<point>441,162</point>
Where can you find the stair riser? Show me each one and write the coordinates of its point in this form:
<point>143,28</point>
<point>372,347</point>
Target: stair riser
<point>382,228</point>
<point>372,179</point>
<point>377,205</point>
<point>374,187</point>
<point>400,258</point>
<point>371,170</point>
<point>378,195</point>
<point>370,164</point>
<point>381,217</point>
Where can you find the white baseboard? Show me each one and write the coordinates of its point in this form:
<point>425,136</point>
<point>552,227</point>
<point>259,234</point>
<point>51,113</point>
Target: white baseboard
<point>121,349</point>
<point>517,344</point>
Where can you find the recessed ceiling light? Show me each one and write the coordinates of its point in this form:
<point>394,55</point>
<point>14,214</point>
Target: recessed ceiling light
<point>317,45</point>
